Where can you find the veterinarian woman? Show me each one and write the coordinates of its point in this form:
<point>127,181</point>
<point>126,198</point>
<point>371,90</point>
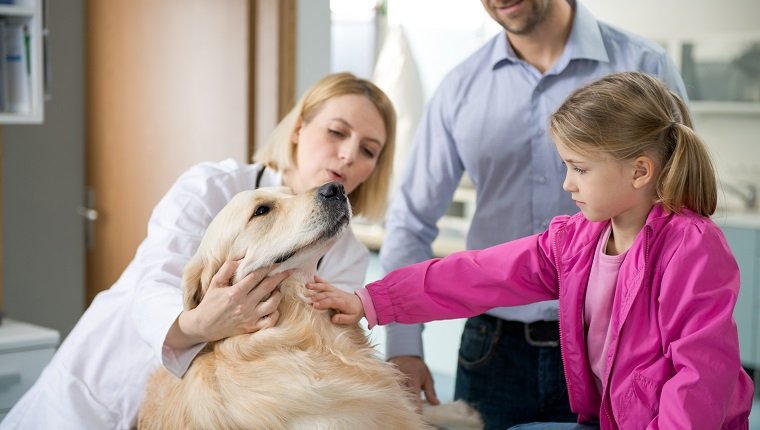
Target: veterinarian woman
<point>342,130</point>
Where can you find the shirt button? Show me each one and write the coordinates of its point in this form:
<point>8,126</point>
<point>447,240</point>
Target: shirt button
<point>544,224</point>
<point>541,179</point>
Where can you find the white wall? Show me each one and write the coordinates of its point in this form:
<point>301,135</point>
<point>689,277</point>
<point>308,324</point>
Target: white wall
<point>312,43</point>
<point>667,18</point>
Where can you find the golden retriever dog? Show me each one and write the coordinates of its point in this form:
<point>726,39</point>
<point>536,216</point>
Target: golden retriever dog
<point>304,373</point>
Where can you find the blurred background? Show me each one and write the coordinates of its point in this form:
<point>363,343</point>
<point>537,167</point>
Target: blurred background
<point>126,94</point>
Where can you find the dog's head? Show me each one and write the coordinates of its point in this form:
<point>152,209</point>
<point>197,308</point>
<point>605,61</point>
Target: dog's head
<point>267,226</point>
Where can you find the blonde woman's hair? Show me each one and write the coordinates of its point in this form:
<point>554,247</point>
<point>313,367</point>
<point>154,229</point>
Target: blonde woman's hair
<point>629,114</point>
<point>370,198</point>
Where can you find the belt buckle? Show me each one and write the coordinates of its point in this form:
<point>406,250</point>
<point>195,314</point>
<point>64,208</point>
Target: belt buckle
<point>538,343</point>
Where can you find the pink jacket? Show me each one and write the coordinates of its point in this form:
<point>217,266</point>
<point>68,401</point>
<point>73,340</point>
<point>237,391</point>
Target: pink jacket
<point>674,357</point>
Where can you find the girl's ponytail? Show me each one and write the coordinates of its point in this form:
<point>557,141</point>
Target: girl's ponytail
<point>688,176</point>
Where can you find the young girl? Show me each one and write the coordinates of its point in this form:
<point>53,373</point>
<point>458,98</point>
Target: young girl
<point>645,280</point>
<point>342,130</point>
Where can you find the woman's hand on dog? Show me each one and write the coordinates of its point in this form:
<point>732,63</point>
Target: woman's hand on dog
<point>348,306</point>
<point>227,309</point>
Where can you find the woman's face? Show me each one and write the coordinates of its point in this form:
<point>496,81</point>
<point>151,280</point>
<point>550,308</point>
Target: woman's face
<point>341,143</point>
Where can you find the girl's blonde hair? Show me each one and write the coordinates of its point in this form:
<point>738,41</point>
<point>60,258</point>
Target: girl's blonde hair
<point>625,115</point>
<point>370,198</point>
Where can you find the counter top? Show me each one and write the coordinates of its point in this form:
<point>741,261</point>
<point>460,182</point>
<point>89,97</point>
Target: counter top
<point>742,219</point>
<point>372,235</point>
<point>17,335</point>
<point>449,241</point>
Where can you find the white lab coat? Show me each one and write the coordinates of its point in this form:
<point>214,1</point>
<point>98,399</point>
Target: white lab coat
<point>97,378</point>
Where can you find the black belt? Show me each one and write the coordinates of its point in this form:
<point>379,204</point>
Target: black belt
<point>538,333</point>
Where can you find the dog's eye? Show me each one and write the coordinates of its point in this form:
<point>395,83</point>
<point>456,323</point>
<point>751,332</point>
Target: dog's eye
<point>261,210</point>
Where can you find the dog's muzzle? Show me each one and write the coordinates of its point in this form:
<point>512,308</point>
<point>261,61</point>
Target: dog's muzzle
<point>333,198</point>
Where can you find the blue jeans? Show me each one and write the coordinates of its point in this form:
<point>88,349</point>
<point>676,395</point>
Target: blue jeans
<point>508,380</point>
<point>555,426</point>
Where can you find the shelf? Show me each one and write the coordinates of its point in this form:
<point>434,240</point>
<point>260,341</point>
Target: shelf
<point>20,118</point>
<point>23,102</point>
<point>720,72</point>
<point>17,10</point>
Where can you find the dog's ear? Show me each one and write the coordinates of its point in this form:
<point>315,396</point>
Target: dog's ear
<point>197,278</point>
<point>191,282</point>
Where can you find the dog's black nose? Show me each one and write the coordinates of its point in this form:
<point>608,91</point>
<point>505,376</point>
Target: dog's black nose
<point>331,190</point>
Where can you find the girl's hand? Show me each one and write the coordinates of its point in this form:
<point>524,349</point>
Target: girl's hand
<point>347,305</point>
<point>226,309</point>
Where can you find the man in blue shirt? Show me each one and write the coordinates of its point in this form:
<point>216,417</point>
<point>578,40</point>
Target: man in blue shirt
<point>489,118</point>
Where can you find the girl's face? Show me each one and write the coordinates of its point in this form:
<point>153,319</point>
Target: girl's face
<point>341,143</point>
<point>602,188</point>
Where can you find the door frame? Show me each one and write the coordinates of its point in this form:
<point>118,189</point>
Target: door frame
<point>272,26</point>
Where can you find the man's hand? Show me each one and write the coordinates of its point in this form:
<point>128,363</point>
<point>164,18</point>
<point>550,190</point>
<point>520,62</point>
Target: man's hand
<point>418,377</point>
<point>347,305</point>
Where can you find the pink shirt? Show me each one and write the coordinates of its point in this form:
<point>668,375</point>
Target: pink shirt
<point>598,305</point>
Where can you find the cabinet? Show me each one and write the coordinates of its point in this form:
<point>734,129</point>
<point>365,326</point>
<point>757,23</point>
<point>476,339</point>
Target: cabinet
<point>745,244</point>
<point>21,58</point>
<point>25,350</point>
<point>721,73</point>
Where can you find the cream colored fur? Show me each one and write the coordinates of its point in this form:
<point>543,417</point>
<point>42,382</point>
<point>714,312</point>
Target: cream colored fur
<point>305,373</point>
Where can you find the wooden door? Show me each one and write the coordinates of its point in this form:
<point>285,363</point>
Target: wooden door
<point>171,83</point>
<point>167,84</point>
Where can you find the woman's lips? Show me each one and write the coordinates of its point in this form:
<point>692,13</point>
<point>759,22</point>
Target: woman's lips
<point>335,176</point>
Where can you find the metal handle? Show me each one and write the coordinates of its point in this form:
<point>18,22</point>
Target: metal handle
<point>91,215</point>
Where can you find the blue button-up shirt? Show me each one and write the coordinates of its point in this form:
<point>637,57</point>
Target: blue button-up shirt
<point>489,116</point>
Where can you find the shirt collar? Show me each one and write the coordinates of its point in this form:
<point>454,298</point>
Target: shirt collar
<point>585,42</point>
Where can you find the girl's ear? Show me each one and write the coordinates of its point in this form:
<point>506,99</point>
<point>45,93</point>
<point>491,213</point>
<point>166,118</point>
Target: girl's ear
<point>643,171</point>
